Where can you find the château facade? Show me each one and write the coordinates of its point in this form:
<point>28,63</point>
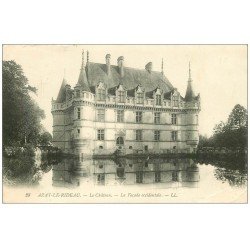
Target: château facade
<point>113,107</point>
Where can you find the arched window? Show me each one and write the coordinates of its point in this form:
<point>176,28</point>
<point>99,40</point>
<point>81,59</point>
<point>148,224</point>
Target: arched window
<point>119,141</point>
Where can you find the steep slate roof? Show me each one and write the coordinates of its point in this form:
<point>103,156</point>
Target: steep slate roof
<point>168,95</point>
<point>62,92</point>
<point>132,78</point>
<point>150,94</point>
<point>82,80</point>
<point>131,92</point>
<point>189,93</point>
<point>94,73</point>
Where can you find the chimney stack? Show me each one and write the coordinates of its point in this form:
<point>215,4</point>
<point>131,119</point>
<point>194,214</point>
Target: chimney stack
<point>108,64</point>
<point>120,65</point>
<point>149,67</point>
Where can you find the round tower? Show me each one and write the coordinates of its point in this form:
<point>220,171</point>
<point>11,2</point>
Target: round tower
<point>58,114</point>
<point>83,108</point>
<point>192,121</point>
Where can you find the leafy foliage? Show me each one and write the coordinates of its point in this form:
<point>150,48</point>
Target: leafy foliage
<point>21,115</point>
<point>232,134</point>
<point>45,139</point>
<point>238,117</point>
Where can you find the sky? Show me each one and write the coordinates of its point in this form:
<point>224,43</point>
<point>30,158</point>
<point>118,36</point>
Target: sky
<point>219,72</point>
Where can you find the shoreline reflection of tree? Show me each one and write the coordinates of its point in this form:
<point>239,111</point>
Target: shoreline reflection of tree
<point>233,170</point>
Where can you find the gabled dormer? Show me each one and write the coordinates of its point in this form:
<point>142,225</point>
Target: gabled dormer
<point>139,94</point>
<point>121,93</point>
<point>100,91</point>
<point>158,96</point>
<point>175,98</point>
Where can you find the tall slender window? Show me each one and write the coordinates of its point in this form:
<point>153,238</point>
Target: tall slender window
<point>157,135</point>
<point>120,115</point>
<point>157,176</point>
<point>121,96</point>
<point>78,113</point>
<point>158,99</point>
<point>157,118</point>
<point>100,134</point>
<point>139,98</point>
<point>101,94</point>
<point>101,115</point>
<point>175,101</point>
<point>173,118</point>
<point>174,135</point>
<point>138,117</point>
<point>138,135</point>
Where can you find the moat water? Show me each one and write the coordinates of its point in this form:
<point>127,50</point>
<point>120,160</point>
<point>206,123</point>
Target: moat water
<point>142,180</point>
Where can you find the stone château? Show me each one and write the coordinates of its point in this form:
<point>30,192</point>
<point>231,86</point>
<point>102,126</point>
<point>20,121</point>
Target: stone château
<point>113,107</point>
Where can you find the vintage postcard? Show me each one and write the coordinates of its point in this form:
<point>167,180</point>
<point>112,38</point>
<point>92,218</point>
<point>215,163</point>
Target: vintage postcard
<point>124,123</point>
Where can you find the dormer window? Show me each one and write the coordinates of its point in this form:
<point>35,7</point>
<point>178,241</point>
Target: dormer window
<point>175,101</point>
<point>158,100</point>
<point>139,98</point>
<point>121,96</point>
<point>78,93</point>
<point>101,94</point>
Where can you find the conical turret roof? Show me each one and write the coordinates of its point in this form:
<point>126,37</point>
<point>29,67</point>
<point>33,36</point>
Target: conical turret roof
<point>190,92</point>
<point>62,92</point>
<point>83,80</point>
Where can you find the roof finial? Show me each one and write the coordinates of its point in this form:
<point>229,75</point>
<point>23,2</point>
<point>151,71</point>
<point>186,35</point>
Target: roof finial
<point>189,72</point>
<point>162,66</point>
<point>82,58</point>
<point>87,56</point>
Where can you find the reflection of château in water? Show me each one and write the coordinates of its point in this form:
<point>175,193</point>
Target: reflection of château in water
<point>163,173</point>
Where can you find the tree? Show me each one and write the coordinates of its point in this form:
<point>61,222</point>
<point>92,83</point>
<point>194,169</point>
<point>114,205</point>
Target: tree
<point>204,141</point>
<point>21,115</point>
<point>238,117</point>
<point>219,128</point>
<point>45,139</point>
<point>232,134</point>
